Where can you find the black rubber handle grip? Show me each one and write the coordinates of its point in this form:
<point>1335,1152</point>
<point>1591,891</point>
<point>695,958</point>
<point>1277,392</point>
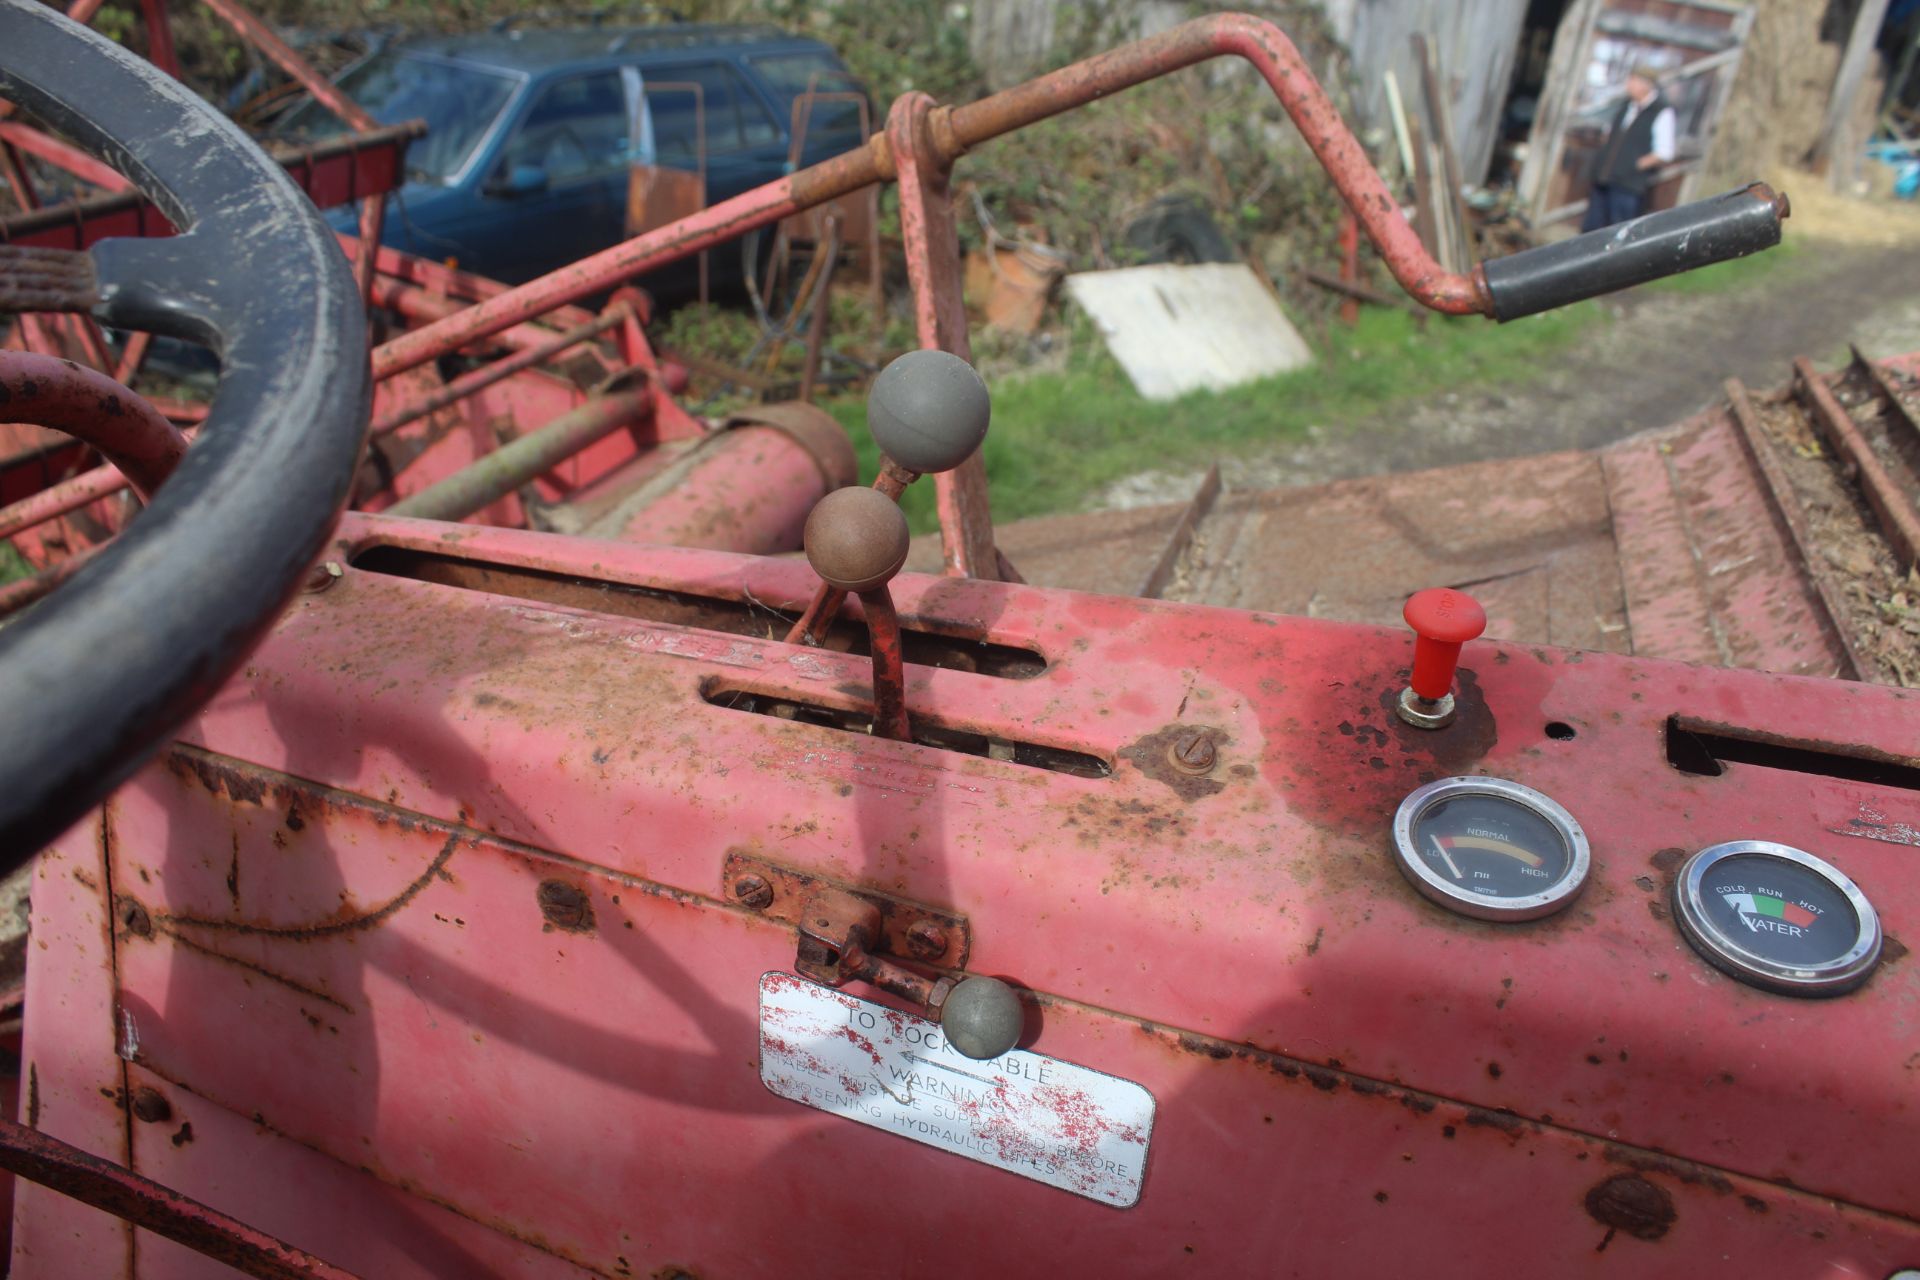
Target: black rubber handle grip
<point>1660,244</point>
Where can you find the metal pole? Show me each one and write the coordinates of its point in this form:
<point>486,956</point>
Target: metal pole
<point>481,484</point>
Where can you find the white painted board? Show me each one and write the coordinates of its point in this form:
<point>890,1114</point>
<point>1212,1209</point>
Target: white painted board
<point>1056,1122</point>
<point>1176,329</point>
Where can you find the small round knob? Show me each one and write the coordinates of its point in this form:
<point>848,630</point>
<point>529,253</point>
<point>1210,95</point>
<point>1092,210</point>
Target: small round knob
<point>928,411</point>
<point>856,539</point>
<point>983,1018</point>
<point>1443,619</point>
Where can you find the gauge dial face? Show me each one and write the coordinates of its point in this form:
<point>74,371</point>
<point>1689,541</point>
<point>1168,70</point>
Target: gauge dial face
<point>1489,848</point>
<point>1777,917</point>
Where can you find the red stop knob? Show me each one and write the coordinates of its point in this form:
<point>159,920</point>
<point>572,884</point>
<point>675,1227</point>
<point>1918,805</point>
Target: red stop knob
<point>1443,619</point>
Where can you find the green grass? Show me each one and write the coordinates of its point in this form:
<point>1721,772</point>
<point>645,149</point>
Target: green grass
<point>1058,439</point>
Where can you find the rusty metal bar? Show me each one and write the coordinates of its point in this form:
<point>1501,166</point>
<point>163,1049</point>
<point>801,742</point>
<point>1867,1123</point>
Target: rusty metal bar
<point>1882,384</point>
<point>889,671</point>
<point>261,37</point>
<point>93,408</point>
<point>1274,56</point>
<point>60,155</point>
<point>1897,517</point>
<point>21,592</point>
<point>468,383</point>
<point>482,483</point>
<point>106,1186</point>
<point>59,499</point>
<point>373,219</point>
<point>1793,520</point>
<point>1181,536</point>
<point>160,37</point>
<point>822,303</point>
<point>953,131</point>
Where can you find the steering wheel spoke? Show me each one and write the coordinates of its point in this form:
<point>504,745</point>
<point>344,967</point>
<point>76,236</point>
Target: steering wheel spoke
<point>104,670</point>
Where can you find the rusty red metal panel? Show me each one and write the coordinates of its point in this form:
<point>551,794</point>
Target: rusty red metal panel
<point>1253,904</point>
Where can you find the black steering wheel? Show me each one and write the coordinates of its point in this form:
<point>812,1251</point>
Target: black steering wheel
<point>96,677</point>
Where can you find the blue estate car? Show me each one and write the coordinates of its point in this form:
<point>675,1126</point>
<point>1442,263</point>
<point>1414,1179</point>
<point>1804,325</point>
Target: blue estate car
<point>531,133</point>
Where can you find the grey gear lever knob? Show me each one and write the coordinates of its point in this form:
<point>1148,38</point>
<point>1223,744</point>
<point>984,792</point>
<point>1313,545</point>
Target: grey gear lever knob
<point>983,1018</point>
<point>856,539</point>
<point>928,411</point>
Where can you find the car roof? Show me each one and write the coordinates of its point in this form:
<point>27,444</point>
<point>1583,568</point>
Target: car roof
<point>535,50</point>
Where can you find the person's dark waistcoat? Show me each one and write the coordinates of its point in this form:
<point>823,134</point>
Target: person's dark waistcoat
<point>1618,163</point>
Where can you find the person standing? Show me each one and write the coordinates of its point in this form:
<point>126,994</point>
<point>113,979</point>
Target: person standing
<point>1642,139</point>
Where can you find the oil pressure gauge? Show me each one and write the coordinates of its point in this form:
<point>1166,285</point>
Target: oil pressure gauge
<point>1489,848</point>
<point>1777,918</point>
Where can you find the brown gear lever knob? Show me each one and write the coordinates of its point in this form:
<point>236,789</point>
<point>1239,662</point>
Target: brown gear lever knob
<point>856,540</point>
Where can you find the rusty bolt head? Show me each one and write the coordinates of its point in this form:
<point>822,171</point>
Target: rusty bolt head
<point>134,918</point>
<point>1193,753</point>
<point>565,906</point>
<point>856,539</point>
<point>324,575</point>
<point>753,891</point>
<point>926,940</point>
<point>151,1105</point>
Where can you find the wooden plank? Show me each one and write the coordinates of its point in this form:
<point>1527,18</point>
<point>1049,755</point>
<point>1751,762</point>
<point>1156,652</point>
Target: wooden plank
<point>1455,205</point>
<point>1182,536</point>
<point>1566,67</point>
<point>1846,85</point>
<point>1793,519</point>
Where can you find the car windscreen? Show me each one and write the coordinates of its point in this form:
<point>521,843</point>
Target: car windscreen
<point>831,116</point>
<point>458,103</point>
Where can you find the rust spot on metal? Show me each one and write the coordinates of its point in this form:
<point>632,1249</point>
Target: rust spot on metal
<point>238,785</point>
<point>1627,1202</point>
<point>1155,756</point>
<point>1892,949</point>
<point>33,1096</point>
<point>566,906</point>
<point>133,918</point>
<point>150,1105</point>
<point>183,1135</point>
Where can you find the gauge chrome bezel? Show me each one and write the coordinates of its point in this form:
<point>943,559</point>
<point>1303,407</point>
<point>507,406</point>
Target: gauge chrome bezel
<point>1833,977</point>
<point>1477,906</point>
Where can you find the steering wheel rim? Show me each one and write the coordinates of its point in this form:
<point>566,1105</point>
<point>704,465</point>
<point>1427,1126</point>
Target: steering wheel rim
<point>99,675</point>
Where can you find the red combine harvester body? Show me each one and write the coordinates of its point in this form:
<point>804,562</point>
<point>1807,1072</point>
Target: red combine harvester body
<point>491,901</point>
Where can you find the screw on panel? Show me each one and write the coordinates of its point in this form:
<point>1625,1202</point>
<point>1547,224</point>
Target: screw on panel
<point>1193,753</point>
<point>753,891</point>
<point>150,1105</point>
<point>134,918</point>
<point>927,940</point>
<point>324,575</point>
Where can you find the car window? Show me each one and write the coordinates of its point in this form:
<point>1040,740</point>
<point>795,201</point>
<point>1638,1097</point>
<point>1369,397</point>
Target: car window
<point>458,104</point>
<point>736,119</point>
<point>577,127</point>
<point>792,75</point>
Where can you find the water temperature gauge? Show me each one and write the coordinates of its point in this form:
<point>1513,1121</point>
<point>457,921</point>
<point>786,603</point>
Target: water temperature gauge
<point>1490,849</point>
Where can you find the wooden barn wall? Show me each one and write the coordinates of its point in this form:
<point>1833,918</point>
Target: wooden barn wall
<point>1474,44</point>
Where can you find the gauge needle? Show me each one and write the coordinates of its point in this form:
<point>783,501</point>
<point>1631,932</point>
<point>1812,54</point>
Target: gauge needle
<point>1447,857</point>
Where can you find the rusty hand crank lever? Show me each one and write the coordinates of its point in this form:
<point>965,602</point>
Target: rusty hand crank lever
<point>928,411</point>
<point>980,1017</point>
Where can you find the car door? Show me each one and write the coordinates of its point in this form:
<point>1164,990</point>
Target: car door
<point>557,188</point>
<point>742,144</point>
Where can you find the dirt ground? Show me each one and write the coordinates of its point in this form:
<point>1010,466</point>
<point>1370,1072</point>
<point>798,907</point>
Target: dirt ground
<point>1662,358</point>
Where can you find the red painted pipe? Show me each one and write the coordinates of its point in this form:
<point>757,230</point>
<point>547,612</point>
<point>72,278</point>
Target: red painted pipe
<point>91,407</point>
<point>123,1193</point>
